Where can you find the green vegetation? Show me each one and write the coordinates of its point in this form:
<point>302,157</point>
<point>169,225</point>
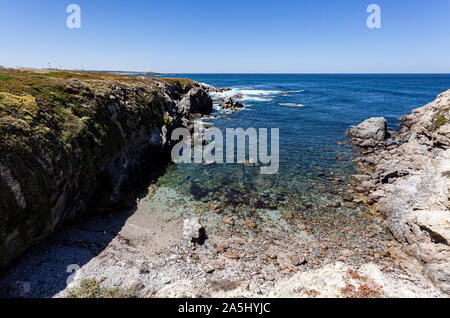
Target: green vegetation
<point>440,121</point>
<point>183,82</point>
<point>440,118</point>
<point>57,127</point>
<point>5,78</point>
<point>167,119</point>
<point>90,288</point>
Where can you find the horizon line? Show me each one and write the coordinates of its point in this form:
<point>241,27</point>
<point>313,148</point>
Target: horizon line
<point>235,73</point>
<point>274,73</point>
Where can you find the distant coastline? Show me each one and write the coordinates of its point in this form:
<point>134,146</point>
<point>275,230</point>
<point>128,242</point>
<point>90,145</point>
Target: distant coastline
<point>128,72</point>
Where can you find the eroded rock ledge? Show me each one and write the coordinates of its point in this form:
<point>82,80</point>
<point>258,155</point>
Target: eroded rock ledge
<point>407,179</point>
<point>73,142</point>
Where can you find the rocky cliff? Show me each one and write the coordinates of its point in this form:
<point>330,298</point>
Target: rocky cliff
<point>74,142</point>
<point>407,179</point>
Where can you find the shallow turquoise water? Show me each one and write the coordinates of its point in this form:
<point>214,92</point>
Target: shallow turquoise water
<point>312,113</point>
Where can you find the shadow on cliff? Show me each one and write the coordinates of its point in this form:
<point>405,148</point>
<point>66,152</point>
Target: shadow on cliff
<point>44,270</point>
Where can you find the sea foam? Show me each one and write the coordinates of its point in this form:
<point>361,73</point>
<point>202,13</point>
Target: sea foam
<point>292,104</point>
<point>255,95</point>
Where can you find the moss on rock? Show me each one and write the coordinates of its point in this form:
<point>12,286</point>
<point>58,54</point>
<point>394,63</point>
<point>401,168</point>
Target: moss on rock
<point>69,141</point>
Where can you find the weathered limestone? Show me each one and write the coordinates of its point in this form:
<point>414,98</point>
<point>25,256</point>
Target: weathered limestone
<point>408,181</point>
<point>370,132</point>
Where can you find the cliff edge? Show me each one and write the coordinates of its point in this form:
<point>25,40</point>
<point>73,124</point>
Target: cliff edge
<point>74,142</point>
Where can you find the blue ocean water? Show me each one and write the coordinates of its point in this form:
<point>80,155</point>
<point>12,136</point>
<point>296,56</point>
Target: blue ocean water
<point>312,113</point>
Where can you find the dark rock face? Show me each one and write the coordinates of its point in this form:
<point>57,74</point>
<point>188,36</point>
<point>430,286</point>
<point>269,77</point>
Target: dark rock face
<point>60,160</point>
<point>229,104</point>
<point>407,180</point>
<point>197,100</point>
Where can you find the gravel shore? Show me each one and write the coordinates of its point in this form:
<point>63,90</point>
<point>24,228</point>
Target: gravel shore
<point>142,253</point>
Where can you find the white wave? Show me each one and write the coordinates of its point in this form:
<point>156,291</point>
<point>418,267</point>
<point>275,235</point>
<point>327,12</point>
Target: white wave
<point>259,92</point>
<point>256,99</point>
<point>224,94</point>
<point>292,104</point>
<point>242,94</point>
<point>202,125</point>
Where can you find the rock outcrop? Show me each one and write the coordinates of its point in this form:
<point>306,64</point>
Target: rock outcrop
<point>370,132</point>
<point>231,105</point>
<point>193,231</point>
<point>72,143</point>
<point>408,181</point>
<point>196,101</point>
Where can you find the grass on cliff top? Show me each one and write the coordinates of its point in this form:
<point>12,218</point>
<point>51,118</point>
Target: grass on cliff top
<point>32,81</point>
<point>30,99</point>
<point>33,101</point>
<point>182,81</point>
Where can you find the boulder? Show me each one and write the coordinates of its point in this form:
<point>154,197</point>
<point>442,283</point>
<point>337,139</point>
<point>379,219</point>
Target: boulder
<point>374,128</point>
<point>193,231</point>
<point>230,104</point>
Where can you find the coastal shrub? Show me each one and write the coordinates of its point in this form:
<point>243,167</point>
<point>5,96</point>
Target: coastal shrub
<point>440,118</point>
<point>440,121</point>
<point>90,288</point>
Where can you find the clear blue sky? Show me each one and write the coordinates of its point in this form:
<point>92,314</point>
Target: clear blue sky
<point>285,36</point>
